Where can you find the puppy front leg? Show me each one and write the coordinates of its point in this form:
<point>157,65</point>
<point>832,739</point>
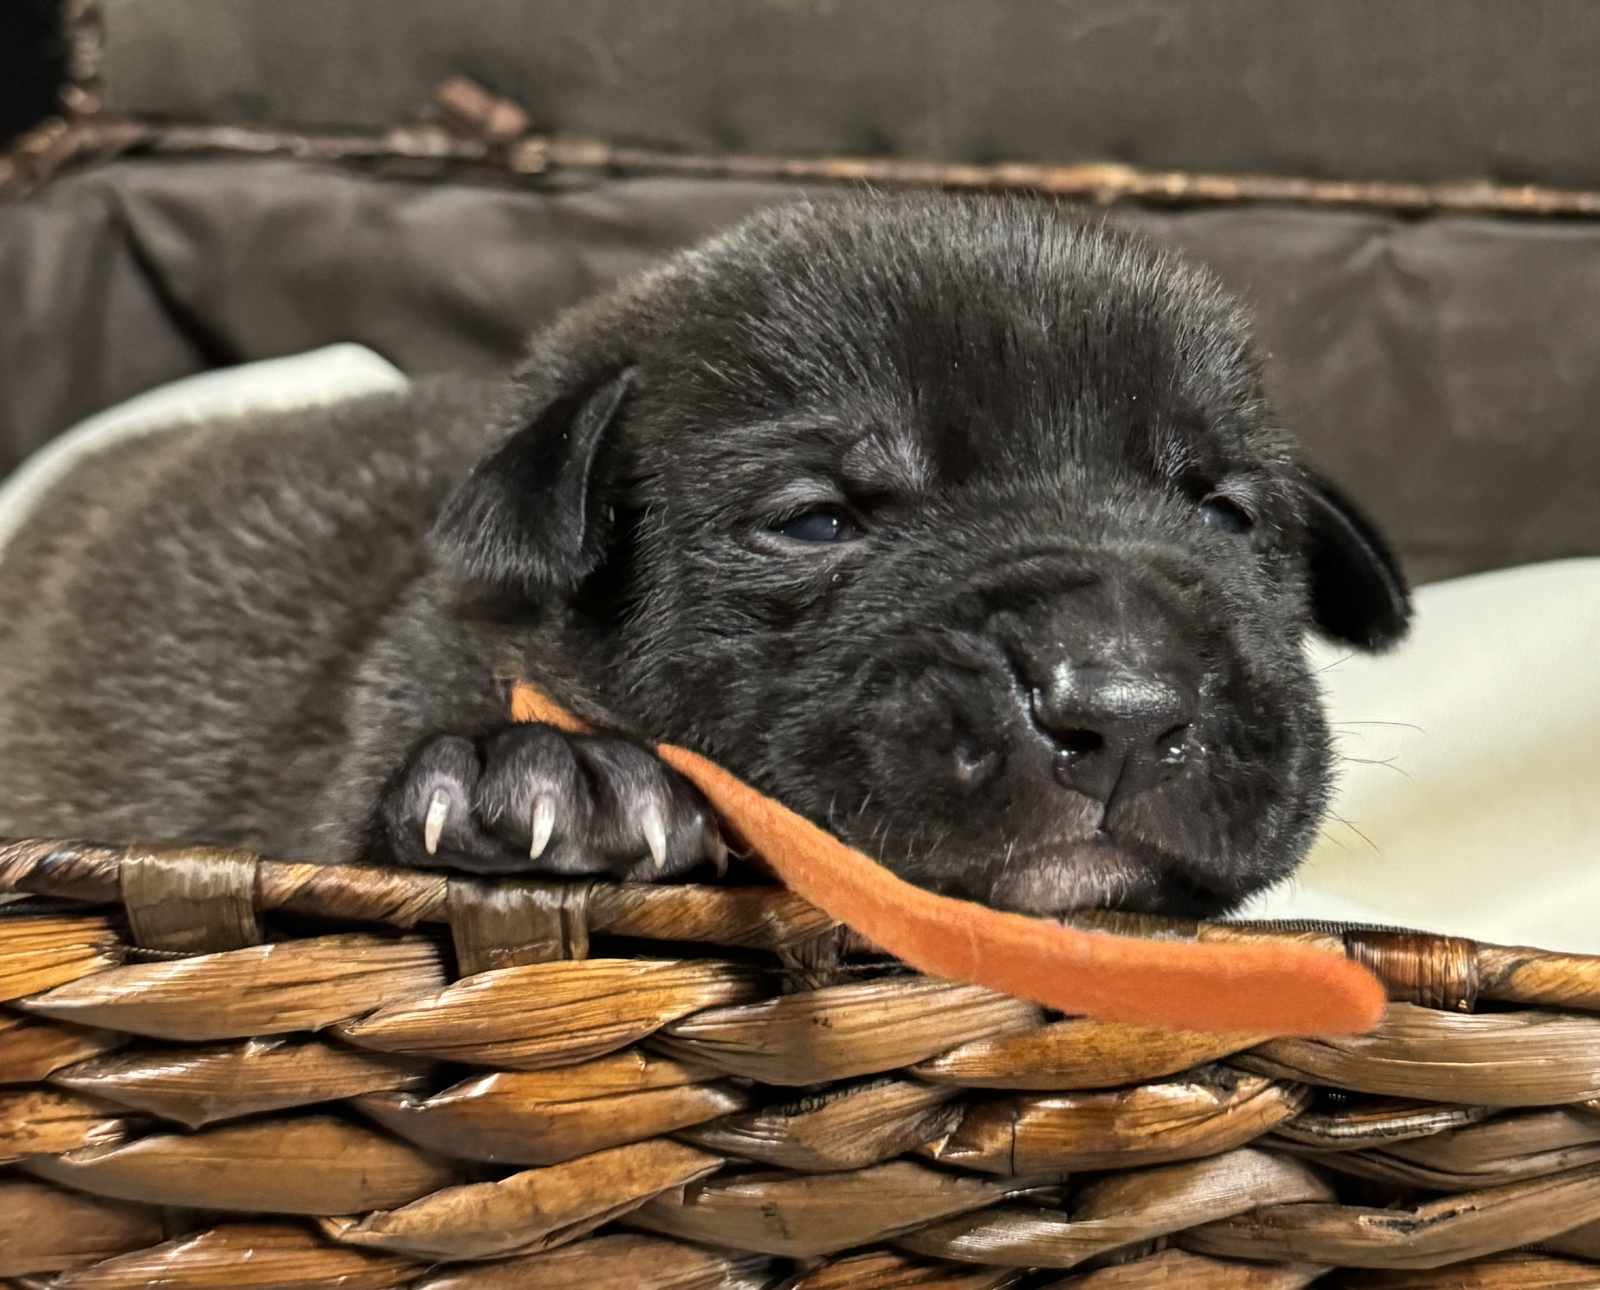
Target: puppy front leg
<point>531,799</point>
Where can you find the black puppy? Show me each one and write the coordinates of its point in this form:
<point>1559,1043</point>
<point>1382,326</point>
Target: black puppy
<point>960,526</point>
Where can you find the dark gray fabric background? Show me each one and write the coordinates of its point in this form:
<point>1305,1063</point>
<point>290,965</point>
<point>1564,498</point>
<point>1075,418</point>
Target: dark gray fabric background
<point>1447,372</point>
<point>32,63</point>
<point>1389,89</point>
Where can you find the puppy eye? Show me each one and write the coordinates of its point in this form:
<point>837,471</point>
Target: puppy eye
<point>1225,515</point>
<point>820,524</point>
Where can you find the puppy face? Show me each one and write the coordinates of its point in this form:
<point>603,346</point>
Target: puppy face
<point>961,527</point>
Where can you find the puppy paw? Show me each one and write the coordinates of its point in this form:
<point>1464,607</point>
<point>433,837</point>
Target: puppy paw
<point>531,799</point>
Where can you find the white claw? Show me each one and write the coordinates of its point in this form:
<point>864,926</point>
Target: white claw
<point>544,823</point>
<point>433,826</point>
<point>717,849</point>
<point>654,829</point>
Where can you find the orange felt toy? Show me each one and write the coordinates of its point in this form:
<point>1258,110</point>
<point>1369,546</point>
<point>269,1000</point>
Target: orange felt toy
<point>1262,989</point>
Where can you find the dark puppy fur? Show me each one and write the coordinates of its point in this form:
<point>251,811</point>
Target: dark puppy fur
<point>960,526</point>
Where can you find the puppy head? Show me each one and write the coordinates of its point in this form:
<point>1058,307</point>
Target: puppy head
<point>959,525</point>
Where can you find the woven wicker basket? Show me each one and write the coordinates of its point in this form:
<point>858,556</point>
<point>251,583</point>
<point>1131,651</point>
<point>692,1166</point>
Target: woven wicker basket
<point>223,1071</point>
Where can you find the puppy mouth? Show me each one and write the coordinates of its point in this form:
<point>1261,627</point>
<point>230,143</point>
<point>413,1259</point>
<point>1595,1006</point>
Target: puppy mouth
<point>1076,875</point>
<point>1071,875</point>
<point>1069,862</point>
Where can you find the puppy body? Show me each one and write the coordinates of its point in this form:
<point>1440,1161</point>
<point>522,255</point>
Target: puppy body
<point>961,526</point>
<point>186,621</point>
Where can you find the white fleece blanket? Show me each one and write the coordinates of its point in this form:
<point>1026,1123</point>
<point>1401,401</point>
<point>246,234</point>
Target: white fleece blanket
<point>1469,795</point>
<point>320,376</point>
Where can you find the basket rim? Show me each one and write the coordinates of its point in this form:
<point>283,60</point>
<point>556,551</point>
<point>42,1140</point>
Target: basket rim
<point>1429,969</point>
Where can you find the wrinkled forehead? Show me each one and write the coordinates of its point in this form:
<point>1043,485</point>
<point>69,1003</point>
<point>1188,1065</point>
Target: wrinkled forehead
<point>952,373</point>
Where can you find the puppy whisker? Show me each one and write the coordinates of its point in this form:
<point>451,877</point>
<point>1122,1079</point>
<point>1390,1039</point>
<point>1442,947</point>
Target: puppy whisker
<point>1401,725</point>
<point>1388,762</point>
<point>1334,815</point>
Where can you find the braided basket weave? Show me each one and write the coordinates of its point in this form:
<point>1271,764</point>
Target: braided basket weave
<point>222,1071</point>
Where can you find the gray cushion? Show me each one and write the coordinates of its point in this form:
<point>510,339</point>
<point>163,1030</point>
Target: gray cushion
<point>1419,89</point>
<point>1447,372</point>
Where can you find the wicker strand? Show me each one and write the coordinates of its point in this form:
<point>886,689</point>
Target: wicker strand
<point>191,901</point>
<point>512,923</point>
<point>1433,971</point>
<point>765,918</point>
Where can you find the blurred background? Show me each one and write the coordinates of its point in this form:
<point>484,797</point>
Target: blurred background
<point>1408,194</point>
<point>1414,90</point>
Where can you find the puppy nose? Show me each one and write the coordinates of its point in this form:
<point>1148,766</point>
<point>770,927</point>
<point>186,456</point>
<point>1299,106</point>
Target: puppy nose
<point>1116,730</point>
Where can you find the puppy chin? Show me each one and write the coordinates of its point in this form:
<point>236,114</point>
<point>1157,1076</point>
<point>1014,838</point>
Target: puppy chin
<point>1072,876</point>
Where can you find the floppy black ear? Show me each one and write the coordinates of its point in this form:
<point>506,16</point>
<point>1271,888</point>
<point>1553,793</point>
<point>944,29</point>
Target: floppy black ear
<point>527,518</point>
<point>1358,594</point>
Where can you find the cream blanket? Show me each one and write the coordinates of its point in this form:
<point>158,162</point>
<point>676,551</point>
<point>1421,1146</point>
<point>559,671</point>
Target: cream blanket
<point>1469,796</point>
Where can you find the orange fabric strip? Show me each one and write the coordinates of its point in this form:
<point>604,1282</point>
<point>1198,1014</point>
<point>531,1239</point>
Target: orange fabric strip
<point>1259,989</point>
